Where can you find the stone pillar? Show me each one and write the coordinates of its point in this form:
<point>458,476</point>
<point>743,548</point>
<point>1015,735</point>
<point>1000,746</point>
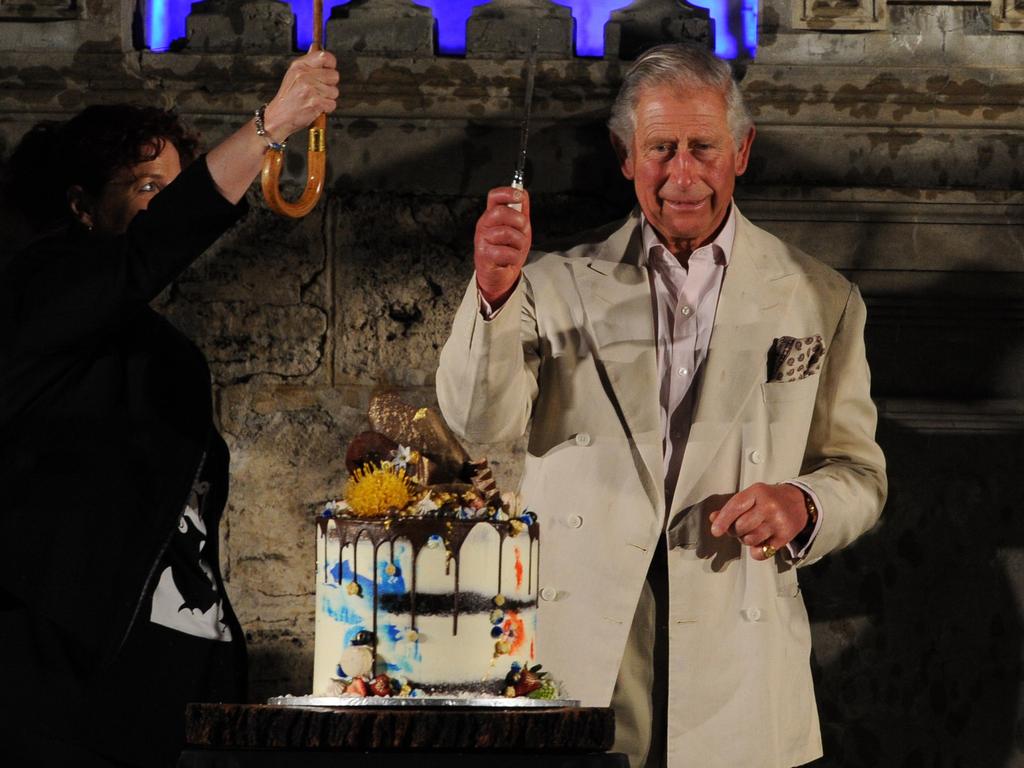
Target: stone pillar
<point>381,27</point>
<point>646,23</point>
<point>237,26</point>
<point>507,29</point>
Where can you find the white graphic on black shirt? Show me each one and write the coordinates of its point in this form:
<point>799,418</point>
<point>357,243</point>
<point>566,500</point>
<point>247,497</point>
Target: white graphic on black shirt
<point>186,597</point>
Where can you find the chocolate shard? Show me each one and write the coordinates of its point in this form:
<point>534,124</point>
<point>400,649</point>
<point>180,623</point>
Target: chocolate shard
<point>483,480</point>
<point>422,429</point>
<point>368,447</point>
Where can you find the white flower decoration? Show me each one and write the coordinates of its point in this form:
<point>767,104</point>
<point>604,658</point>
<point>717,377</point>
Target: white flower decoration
<point>401,456</point>
<point>426,504</point>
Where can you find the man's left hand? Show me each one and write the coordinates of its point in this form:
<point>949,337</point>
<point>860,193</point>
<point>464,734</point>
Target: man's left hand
<point>762,516</point>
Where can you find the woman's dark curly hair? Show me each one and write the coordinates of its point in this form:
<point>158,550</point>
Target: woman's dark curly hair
<point>88,150</point>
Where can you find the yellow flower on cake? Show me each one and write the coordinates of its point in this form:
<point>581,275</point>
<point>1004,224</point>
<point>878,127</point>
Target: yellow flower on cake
<point>375,490</point>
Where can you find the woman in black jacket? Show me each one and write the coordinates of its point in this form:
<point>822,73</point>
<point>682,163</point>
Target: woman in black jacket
<point>113,478</point>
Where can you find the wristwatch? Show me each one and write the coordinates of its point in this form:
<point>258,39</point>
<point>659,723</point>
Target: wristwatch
<point>812,519</point>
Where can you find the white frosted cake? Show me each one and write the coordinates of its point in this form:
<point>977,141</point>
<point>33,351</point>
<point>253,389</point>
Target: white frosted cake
<point>424,588</point>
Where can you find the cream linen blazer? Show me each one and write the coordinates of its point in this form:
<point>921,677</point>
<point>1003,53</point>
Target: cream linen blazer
<point>572,357</point>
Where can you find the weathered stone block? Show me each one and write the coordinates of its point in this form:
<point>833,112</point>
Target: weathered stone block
<point>40,10</point>
<point>227,26</point>
<point>381,27</point>
<point>509,28</point>
<point>287,447</point>
<point>257,302</point>
<point>646,23</point>
<point>397,287</point>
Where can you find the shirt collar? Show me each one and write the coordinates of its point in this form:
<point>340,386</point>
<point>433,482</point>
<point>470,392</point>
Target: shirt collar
<point>720,247</point>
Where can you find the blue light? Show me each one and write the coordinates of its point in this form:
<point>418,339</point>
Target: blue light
<point>591,16</point>
<point>451,18</point>
<point>750,26</point>
<point>725,41</point>
<point>303,10</point>
<point>735,23</point>
<point>165,20</point>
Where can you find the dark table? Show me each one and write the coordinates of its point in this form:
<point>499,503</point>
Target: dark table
<point>258,736</point>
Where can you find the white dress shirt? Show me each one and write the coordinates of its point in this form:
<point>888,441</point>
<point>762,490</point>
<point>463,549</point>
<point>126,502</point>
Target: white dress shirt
<point>686,298</point>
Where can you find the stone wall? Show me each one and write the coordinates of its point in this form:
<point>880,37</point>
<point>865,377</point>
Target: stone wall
<point>890,144</point>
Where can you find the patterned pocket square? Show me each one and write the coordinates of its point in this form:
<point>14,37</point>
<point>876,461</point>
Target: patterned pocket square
<point>792,359</point>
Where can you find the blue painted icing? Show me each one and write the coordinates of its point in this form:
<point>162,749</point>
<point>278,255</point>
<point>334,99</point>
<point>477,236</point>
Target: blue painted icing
<point>390,583</point>
<point>342,613</point>
<point>392,633</point>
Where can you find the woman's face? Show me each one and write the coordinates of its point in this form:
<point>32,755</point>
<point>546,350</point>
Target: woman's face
<point>127,193</point>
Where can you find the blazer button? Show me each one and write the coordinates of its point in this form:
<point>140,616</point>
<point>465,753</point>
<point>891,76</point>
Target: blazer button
<point>575,521</point>
<point>583,439</point>
<point>548,593</point>
<point>753,614</point>
<point>756,457</point>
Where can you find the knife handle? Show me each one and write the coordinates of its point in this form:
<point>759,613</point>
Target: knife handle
<point>517,183</point>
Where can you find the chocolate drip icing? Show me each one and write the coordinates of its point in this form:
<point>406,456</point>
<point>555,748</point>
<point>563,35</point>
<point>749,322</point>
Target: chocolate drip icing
<point>501,551</point>
<point>418,531</point>
<point>376,547</point>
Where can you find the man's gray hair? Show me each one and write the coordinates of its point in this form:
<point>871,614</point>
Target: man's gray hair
<point>679,64</point>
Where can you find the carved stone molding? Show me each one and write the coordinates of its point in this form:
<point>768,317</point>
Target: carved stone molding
<point>388,27</point>
<point>508,28</point>
<point>646,23</point>
<point>1008,15</point>
<point>839,15</point>
<point>255,26</point>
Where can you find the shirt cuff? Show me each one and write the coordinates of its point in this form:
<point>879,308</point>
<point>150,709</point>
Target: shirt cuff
<point>485,308</point>
<point>799,546</point>
<point>487,312</point>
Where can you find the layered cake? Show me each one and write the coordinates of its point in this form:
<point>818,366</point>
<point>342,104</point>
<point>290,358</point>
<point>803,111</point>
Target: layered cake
<point>427,576</point>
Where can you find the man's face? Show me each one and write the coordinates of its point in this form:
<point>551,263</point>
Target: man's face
<point>129,192</point>
<point>683,163</point>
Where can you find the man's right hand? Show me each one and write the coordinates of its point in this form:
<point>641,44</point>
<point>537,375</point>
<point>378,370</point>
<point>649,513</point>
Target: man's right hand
<point>501,244</point>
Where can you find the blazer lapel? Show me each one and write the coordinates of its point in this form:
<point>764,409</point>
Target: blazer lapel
<point>615,294</point>
<point>753,302</point>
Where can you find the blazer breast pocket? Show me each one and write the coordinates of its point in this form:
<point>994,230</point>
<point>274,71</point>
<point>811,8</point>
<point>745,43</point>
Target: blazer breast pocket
<point>790,391</point>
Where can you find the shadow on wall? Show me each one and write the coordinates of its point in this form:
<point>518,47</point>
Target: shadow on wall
<point>572,174</point>
<point>918,628</point>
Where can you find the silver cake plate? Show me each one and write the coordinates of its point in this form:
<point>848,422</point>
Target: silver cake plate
<point>495,702</point>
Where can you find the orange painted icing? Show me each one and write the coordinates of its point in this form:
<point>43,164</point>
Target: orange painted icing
<point>515,631</point>
<point>519,568</point>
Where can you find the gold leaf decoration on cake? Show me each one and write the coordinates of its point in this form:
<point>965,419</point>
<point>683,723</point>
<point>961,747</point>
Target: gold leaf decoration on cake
<point>442,455</point>
<point>376,489</point>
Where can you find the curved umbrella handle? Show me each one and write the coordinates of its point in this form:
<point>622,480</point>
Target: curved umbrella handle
<point>316,153</point>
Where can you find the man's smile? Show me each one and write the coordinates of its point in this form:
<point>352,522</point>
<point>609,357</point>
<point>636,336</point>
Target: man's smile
<point>685,206</point>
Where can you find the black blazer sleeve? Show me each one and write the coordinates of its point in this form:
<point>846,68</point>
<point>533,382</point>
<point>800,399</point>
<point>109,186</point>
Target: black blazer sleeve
<point>62,290</point>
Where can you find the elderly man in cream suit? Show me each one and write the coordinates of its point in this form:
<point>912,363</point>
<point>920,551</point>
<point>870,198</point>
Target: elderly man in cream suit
<point>697,396</point>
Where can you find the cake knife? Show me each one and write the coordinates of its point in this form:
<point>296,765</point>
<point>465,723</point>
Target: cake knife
<point>518,176</point>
